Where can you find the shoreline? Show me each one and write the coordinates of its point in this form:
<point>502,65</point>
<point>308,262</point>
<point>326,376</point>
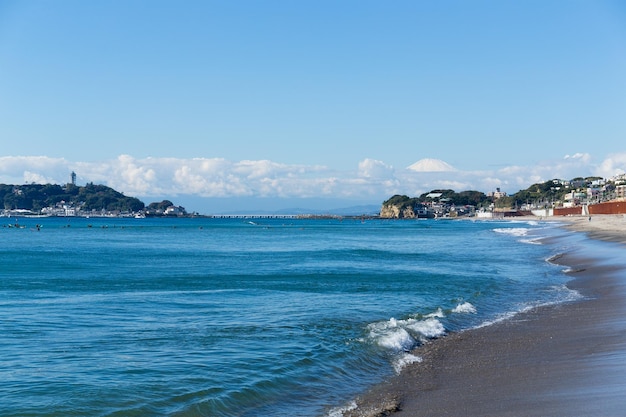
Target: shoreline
<point>564,359</point>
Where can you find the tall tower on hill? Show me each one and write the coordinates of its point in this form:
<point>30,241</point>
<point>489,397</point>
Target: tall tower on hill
<point>73,177</point>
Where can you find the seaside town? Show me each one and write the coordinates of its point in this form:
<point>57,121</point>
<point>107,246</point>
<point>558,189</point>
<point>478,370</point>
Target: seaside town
<point>579,196</point>
<point>71,200</point>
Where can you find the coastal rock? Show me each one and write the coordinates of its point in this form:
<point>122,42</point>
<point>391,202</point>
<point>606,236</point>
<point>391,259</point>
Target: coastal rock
<point>397,212</point>
<point>400,207</point>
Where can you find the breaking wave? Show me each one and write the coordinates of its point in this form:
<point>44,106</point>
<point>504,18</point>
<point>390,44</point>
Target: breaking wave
<point>464,308</point>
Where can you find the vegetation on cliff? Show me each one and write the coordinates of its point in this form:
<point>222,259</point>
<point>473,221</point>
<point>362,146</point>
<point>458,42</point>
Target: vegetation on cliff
<point>91,197</point>
<point>463,198</point>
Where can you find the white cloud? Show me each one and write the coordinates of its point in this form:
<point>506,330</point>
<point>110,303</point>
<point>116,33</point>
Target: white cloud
<point>33,177</point>
<point>585,157</point>
<point>215,177</point>
<point>257,169</point>
<point>371,168</point>
<point>614,164</point>
<point>38,169</point>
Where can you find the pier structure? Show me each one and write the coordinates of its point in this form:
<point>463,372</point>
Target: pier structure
<point>254,216</point>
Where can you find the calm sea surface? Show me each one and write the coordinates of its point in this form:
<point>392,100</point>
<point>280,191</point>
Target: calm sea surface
<point>235,317</point>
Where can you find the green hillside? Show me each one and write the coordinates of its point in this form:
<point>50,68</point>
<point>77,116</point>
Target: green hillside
<point>91,197</point>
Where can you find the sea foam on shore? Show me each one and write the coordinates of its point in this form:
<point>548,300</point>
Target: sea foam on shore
<point>559,359</point>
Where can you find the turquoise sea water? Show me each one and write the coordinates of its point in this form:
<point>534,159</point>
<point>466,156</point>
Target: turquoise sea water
<point>236,317</point>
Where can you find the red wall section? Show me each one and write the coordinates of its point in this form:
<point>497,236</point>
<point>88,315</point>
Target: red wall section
<point>568,211</point>
<point>612,207</point>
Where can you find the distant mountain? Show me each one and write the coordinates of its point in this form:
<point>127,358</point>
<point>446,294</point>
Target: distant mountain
<point>431,165</point>
<point>368,210</point>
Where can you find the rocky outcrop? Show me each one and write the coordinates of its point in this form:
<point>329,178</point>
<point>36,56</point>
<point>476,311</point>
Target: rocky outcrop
<point>397,211</point>
<point>403,207</point>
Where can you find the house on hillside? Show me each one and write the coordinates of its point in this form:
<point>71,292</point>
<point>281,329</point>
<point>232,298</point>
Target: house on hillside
<point>175,211</point>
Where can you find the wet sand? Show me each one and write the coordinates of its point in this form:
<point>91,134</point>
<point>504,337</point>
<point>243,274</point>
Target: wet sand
<point>563,360</point>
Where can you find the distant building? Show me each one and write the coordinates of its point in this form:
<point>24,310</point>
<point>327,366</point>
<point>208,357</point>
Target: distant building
<point>496,194</point>
<point>73,178</point>
<point>573,199</point>
<point>593,193</point>
<point>174,211</point>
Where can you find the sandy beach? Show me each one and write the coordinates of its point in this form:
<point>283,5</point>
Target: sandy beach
<point>563,360</point>
<point>606,227</point>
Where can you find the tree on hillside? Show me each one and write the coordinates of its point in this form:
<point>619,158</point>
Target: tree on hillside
<point>159,207</point>
<point>464,198</point>
<point>401,201</point>
<point>471,198</point>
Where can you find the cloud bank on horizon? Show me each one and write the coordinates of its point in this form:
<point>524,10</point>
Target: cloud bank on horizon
<point>371,180</point>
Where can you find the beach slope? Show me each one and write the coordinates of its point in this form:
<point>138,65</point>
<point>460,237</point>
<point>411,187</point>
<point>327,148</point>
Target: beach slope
<point>562,360</point>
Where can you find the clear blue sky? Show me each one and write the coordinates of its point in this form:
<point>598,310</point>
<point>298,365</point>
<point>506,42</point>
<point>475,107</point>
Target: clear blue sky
<point>322,91</point>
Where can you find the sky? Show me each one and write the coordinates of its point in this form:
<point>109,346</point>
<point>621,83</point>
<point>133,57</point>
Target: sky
<point>272,104</point>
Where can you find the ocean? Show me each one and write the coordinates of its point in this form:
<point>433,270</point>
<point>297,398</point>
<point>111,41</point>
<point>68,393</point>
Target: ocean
<point>246,317</point>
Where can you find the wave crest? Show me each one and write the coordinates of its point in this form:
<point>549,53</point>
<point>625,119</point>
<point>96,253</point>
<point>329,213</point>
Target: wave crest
<point>404,335</point>
<point>465,307</point>
<point>513,231</point>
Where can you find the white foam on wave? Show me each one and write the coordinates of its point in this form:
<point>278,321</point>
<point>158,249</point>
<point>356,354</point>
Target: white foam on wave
<point>438,314</point>
<point>571,270</point>
<point>533,241</point>
<point>465,307</point>
<point>403,335</point>
<point>528,222</point>
<point>565,295</point>
<point>339,411</point>
<point>513,231</point>
<point>522,233</point>
<point>429,328</point>
<point>498,319</point>
<point>404,360</point>
<point>391,335</point>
